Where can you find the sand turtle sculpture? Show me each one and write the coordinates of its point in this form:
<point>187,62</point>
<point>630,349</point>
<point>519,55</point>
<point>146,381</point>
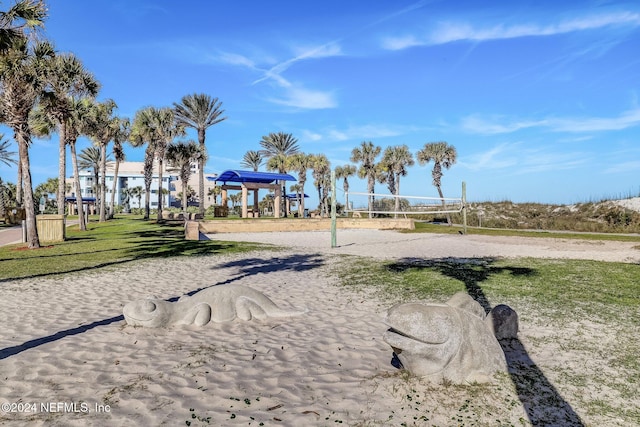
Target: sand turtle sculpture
<point>222,303</point>
<point>454,341</point>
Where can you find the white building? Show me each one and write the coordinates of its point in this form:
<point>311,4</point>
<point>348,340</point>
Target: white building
<point>131,176</point>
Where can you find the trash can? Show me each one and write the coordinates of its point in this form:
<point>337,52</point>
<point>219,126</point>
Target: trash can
<point>306,213</point>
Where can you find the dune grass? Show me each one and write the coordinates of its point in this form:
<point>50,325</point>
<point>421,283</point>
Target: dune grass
<point>117,241</point>
<point>424,227</point>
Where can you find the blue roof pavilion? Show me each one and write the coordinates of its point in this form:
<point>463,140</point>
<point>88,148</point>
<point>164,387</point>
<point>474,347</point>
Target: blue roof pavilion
<point>254,181</point>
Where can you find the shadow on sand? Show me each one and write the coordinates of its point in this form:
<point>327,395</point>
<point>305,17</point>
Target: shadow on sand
<point>543,403</point>
<point>247,267</point>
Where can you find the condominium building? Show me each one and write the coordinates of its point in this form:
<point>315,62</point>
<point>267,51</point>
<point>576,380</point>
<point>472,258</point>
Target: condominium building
<point>131,177</point>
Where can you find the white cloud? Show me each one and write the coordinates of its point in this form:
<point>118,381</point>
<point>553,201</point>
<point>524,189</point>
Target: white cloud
<point>236,59</point>
<point>499,157</point>
<point>300,97</point>
<point>499,125</point>
<point>357,133</point>
<point>447,32</point>
<point>523,160</point>
<point>628,119</point>
<point>495,125</point>
<point>624,167</point>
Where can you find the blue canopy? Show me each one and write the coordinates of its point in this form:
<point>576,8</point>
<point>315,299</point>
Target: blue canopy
<point>251,176</point>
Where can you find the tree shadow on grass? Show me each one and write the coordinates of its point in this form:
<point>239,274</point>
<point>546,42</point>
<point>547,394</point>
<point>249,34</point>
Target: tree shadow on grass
<point>147,250</point>
<point>543,403</point>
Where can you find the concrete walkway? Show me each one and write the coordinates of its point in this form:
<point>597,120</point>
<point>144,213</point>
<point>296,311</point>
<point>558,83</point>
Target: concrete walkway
<point>10,235</point>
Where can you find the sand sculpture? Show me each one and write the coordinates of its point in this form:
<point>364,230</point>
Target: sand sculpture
<point>223,303</point>
<point>454,341</point>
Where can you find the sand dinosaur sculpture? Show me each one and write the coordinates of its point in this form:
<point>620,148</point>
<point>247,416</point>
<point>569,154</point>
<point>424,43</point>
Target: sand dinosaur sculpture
<point>222,303</point>
<point>454,341</point>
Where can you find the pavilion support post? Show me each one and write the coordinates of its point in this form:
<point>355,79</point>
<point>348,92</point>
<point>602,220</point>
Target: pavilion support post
<point>223,194</point>
<point>276,202</point>
<point>245,213</point>
<point>256,205</point>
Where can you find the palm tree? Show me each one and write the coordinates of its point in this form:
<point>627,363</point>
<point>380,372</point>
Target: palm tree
<point>300,163</point>
<point>443,155</point>
<point>345,172</point>
<point>180,156</point>
<point>90,158</point>
<point>321,179</point>
<point>137,193</point>
<point>119,138</point>
<point>148,178</point>
<point>366,154</point>
<point>157,127</point>
<point>19,20</point>
<point>252,159</point>
<point>276,148</point>
<point>395,161</point>
<point>199,111</point>
<point>67,80</point>
<point>21,74</point>
<point>76,124</point>
<point>102,127</point>
<point>214,191</point>
<point>6,156</point>
<point>276,144</point>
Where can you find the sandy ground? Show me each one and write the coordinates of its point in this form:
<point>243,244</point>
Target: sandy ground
<point>387,244</point>
<point>67,358</point>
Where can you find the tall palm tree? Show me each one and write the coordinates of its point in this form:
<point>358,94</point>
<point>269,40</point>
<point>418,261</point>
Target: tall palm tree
<point>366,155</point>
<point>300,163</point>
<point>442,155</point>
<point>395,161</point>
<point>199,111</point>
<point>276,148</point>
<point>19,20</point>
<point>22,78</point>
<point>252,159</point>
<point>6,156</point>
<point>120,137</point>
<point>148,178</point>
<point>322,180</point>
<point>76,124</point>
<point>344,172</point>
<point>67,80</point>
<point>24,18</point>
<point>157,127</point>
<point>180,156</point>
<point>90,159</point>
<point>280,143</point>
<point>102,127</point>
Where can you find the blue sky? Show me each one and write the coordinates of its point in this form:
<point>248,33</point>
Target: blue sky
<point>539,98</point>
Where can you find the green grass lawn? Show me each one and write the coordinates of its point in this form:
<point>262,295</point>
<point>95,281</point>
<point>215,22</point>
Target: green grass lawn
<point>585,311</point>
<point>117,241</point>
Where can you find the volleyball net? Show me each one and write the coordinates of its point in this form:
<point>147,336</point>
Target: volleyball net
<point>358,203</point>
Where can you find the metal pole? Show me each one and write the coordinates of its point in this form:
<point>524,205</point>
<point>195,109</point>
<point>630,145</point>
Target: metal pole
<point>464,207</point>
<point>333,209</point>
